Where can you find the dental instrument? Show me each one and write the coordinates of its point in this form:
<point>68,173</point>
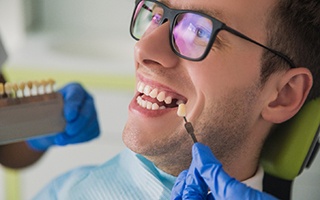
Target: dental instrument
<point>182,112</point>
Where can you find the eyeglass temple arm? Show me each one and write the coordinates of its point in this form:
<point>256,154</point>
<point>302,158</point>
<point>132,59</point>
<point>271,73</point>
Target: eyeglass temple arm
<point>290,62</point>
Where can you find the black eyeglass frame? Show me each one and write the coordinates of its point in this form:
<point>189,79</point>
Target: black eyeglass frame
<point>170,15</point>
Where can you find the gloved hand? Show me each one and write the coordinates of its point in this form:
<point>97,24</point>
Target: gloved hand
<point>81,120</point>
<point>206,173</point>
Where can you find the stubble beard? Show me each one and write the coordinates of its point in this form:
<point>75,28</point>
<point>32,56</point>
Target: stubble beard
<point>223,126</point>
<point>229,129</point>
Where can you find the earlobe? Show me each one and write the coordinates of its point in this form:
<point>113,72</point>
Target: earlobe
<point>291,93</point>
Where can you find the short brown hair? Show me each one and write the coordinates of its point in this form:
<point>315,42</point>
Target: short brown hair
<point>294,29</point>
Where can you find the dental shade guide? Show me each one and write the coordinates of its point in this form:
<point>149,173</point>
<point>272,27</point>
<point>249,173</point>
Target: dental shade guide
<point>181,112</point>
<point>29,110</point>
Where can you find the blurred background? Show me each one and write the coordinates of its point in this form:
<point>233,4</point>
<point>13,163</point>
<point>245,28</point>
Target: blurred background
<point>87,42</point>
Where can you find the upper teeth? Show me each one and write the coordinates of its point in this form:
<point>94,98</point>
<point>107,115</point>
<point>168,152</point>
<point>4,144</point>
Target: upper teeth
<point>155,94</point>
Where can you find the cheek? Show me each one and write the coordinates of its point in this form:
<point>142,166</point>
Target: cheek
<point>228,120</point>
<point>210,79</point>
<point>218,73</point>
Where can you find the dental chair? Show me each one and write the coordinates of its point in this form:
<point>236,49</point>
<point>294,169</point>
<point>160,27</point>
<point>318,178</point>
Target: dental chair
<point>290,149</point>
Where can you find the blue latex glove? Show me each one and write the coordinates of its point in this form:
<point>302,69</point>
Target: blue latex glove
<point>81,120</point>
<point>206,173</point>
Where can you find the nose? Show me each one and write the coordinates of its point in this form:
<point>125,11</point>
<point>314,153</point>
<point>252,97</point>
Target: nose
<point>154,48</point>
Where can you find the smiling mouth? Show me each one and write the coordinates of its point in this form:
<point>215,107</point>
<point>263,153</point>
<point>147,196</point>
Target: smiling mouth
<point>152,98</point>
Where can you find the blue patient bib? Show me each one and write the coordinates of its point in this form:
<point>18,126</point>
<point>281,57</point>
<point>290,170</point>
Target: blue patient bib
<point>126,176</point>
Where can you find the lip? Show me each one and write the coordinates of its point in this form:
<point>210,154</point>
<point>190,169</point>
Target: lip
<point>135,107</point>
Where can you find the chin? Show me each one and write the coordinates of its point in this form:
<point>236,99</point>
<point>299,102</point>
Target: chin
<point>135,140</point>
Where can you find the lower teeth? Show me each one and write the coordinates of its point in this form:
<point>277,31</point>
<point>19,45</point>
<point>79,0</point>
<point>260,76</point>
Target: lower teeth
<point>149,105</point>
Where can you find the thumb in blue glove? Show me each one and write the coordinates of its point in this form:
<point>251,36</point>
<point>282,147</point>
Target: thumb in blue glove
<point>206,173</point>
<point>81,120</point>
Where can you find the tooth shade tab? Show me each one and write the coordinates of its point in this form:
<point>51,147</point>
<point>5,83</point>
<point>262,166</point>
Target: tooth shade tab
<point>182,112</point>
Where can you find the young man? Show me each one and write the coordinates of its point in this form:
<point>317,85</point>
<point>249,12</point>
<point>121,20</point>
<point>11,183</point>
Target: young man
<point>82,125</point>
<point>237,78</point>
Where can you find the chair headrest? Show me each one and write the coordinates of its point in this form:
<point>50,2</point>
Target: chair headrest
<point>292,145</point>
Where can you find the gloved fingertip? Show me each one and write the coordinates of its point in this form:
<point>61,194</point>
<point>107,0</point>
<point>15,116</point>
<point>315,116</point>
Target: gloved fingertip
<point>196,148</point>
<point>182,175</point>
<point>65,90</point>
<point>199,145</point>
<point>60,140</point>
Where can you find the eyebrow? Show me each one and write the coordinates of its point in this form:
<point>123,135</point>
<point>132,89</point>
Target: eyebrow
<point>166,2</point>
<point>213,13</point>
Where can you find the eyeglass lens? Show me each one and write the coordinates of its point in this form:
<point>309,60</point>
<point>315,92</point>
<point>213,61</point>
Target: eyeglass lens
<point>191,32</point>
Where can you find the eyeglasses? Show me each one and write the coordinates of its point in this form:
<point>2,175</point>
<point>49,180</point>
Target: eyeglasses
<point>192,33</point>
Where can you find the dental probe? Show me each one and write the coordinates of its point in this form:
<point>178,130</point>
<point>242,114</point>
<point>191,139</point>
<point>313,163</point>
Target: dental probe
<point>181,112</point>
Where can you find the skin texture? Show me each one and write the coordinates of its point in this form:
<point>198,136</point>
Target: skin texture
<point>231,111</point>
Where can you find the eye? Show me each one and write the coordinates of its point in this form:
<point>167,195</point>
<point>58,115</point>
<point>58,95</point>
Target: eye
<point>157,13</point>
<point>156,18</point>
<point>202,33</point>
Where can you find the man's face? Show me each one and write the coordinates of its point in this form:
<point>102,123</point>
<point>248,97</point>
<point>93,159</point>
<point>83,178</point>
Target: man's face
<point>222,93</point>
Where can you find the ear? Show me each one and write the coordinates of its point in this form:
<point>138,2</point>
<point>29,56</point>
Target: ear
<point>290,91</point>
